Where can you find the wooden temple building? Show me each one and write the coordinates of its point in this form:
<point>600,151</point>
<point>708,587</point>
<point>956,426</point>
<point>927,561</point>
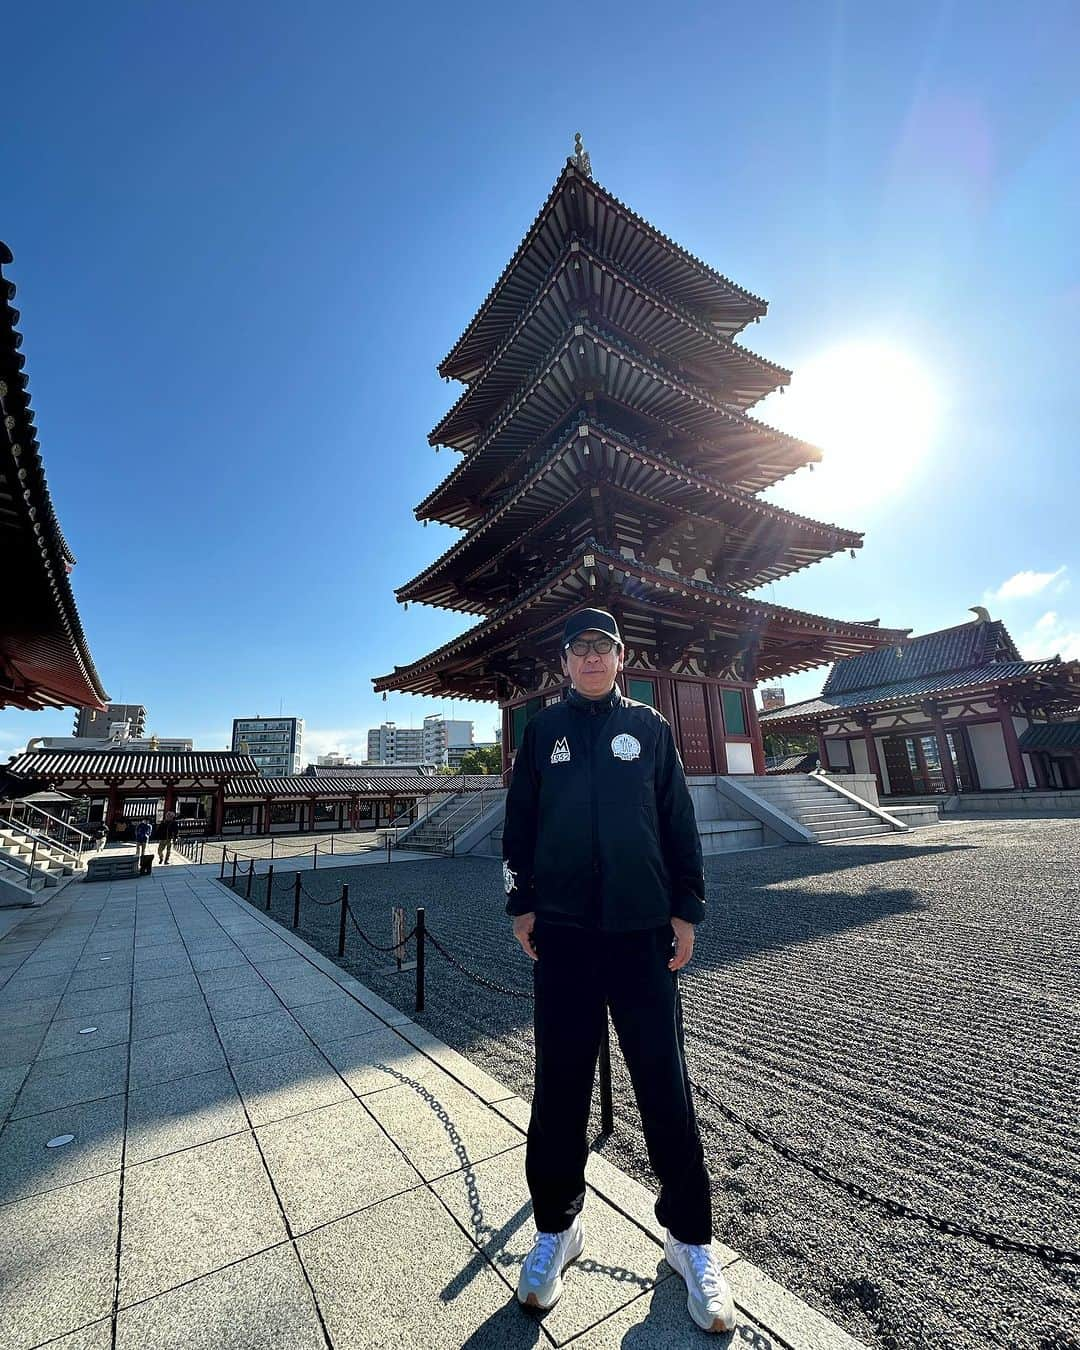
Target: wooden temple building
<point>956,711</point>
<point>609,457</point>
<point>45,661</point>
<point>223,792</point>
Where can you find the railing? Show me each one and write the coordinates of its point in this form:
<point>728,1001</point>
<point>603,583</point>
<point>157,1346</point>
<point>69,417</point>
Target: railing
<point>448,827</point>
<point>24,872</point>
<point>31,817</point>
<point>16,862</point>
<point>1050,1254</point>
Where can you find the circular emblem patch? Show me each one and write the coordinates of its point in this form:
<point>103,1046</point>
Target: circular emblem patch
<point>625,746</point>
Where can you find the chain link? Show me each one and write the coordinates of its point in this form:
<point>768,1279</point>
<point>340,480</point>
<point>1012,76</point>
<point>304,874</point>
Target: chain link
<point>472,975</point>
<point>394,946</point>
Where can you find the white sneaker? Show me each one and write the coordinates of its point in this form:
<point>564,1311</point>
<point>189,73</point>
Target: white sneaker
<point>708,1298</point>
<point>540,1283</point>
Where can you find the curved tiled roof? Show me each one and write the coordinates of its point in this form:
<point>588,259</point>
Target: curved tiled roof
<point>360,785</point>
<point>571,179</point>
<point>44,645</point>
<point>996,674</point>
<point>130,764</point>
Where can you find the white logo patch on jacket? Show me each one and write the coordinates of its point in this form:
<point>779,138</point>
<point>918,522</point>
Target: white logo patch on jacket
<point>561,753</point>
<point>509,878</point>
<point>625,746</point>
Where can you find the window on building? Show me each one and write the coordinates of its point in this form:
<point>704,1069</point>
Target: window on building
<point>326,811</point>
<point>644,691</point>
<point>282,813</point>
<point>521,716</point>
<point>734,711</point>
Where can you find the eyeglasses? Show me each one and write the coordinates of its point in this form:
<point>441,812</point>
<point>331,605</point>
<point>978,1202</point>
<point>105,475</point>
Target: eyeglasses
<point>583,646</point>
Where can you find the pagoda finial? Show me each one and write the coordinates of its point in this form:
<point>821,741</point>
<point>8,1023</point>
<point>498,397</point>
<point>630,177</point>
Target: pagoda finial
<point>581,160</point>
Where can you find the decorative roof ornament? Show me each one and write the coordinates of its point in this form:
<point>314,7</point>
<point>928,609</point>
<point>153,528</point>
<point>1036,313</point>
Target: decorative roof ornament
<point>581,160</point>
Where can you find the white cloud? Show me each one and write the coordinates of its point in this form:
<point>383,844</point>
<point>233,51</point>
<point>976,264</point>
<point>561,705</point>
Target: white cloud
<point>1023,585</point>
<point>334,740</point>
<point>1052,636</point>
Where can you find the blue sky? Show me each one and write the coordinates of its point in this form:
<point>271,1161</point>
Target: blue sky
<point>245,233</point>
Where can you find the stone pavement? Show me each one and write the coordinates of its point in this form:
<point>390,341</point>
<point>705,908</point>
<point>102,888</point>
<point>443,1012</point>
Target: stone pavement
<point>213,1137</point>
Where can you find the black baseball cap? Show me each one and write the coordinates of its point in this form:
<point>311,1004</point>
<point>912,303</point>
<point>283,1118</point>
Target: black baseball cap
<point>590,620</point>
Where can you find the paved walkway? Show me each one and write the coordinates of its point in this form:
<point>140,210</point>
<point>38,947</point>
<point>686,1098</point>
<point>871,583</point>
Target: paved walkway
<point>261,1153</point>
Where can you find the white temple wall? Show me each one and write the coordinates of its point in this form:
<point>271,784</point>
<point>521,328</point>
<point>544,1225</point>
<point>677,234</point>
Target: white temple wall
<point>836,753</point>
<point>859,756</point>
<point>991,758</point>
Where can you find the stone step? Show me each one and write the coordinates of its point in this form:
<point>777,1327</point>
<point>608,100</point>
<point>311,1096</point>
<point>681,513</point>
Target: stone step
<point>852,832</point>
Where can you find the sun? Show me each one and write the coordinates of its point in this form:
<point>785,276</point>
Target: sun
<point>872,408</point>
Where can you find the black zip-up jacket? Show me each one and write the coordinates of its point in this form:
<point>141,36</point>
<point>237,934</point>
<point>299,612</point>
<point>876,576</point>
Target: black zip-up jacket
<point>600,829</point>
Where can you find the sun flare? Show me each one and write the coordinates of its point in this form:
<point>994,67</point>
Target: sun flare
<point>873,410</point>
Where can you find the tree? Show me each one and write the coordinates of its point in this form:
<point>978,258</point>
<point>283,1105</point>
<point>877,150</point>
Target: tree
<point>484,759</point>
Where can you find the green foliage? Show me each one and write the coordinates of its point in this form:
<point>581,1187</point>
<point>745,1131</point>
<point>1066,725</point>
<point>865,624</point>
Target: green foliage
<point>482,760</point>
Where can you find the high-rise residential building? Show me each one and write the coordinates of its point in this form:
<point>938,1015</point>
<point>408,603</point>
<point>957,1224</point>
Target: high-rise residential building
<point>97,724</point>
<point>443,737</point>
<point>274,743</point>
<point>430,744</point>
<point>391,744</point>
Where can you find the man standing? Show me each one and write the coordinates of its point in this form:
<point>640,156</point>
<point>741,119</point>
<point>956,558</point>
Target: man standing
<point>603,874</point>
<point>167,832</point>
<point>143,831</point>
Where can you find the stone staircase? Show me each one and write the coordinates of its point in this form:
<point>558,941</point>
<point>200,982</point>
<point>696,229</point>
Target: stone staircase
<point>442,828</point>
<point>32,863</point>
<point>828,814</point>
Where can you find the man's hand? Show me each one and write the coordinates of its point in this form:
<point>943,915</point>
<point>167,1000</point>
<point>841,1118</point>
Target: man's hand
<point>684,943</point>
<point>523,931</point>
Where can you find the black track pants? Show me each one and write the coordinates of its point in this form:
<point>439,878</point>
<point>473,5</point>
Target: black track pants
<point>578,976</point>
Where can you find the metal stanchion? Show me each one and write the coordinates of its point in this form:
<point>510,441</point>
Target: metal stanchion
<point>221,874</point>
<point>296,902</point>
<point>341,923</point>
<point>235,860</point>
<point>269,886</point>
<point>315,857</point>
<point>331,843</point>
<point>420,934</point>
<point>250,879</point>
<point>388,843</point>
<point>271,846</point>
<point>607,1109</point>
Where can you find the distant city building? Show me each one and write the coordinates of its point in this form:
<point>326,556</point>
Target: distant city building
<point>334,761</point>
<point>391,744</point>
<point>274,743</point>
<point>174,745</point>
<point>430,744</point>
<point>97,724</point>
<point>772,698</point>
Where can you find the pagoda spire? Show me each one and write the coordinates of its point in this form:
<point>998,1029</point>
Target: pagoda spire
<point>580,159</point>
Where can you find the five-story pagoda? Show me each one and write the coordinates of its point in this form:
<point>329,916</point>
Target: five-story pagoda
<point>608,458</point>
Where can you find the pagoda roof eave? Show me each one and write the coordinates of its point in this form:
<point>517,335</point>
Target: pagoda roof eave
<point>574,346</point>
<point>770,376</point>
<point>572,179</point>
<point>422,676</point>
<point>47,663</point>
<point>837,537</point>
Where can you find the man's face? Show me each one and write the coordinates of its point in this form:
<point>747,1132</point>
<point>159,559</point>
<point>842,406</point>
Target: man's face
<point>593,675</point>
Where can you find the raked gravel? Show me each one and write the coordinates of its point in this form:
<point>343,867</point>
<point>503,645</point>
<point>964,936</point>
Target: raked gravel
<point>905,1011</point>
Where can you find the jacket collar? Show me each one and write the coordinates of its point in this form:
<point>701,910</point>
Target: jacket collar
<point>594,706</point>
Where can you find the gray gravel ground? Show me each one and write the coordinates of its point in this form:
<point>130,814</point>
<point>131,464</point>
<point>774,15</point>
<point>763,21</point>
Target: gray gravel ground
<point>904,1011</point>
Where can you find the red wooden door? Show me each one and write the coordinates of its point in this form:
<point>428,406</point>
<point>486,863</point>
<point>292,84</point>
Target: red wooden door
<point>695,743</point>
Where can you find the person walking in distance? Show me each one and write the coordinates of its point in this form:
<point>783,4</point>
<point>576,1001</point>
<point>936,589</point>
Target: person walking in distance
<point>167,832</point>
<point>603,874</point>
<point>143,831</point>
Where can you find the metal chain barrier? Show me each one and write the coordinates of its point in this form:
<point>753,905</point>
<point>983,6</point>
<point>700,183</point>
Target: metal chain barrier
<point>472,975</point>
<point>1046,1252</point>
